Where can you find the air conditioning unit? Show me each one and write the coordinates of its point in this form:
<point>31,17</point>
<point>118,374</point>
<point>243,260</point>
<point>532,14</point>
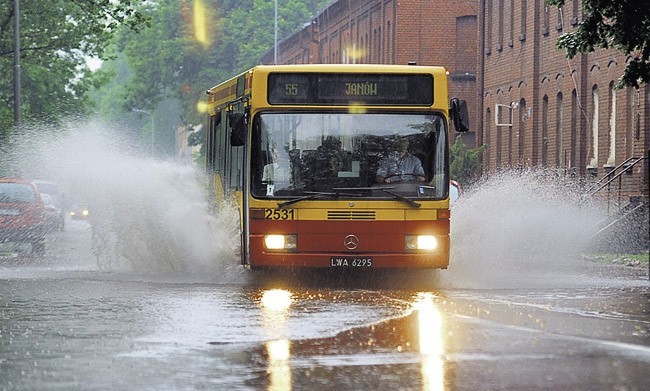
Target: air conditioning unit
<point>502,115</point>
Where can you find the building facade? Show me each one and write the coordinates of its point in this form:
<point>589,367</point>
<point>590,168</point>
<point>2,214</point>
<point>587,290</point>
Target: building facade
<point>424,32</point>
<point>529,104</point>
<point>540,109</point>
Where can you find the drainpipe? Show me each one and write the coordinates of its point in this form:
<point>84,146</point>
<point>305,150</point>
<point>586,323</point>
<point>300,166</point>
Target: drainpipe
<point>481,78</point>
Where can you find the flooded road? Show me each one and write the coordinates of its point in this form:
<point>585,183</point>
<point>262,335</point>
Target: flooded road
<point>148,295</point>
<point>66,324</point>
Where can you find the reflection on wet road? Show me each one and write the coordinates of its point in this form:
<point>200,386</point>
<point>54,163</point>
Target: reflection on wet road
<point>64,324</point>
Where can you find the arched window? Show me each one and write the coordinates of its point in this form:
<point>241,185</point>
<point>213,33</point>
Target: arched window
<point>510,146</point>
<point>523,112</point>
<point>559,118</point>
<point>611,159</point>
<point>511,31</point>
<point>546,17</point>
<point>487,141</point>
<point>545,131</point>
<point>489,22</point>
<point>595,105</point>
<point>574,129</point>
<point>522,33</point>
<point>576,13</point>
<point>500,26</point>
<point>629,123</point>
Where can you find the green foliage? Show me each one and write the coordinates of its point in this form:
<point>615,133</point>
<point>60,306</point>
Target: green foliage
<point>620,24</point>
<point>465,166</point>
<point>55,40</point>
<point>167,60</point>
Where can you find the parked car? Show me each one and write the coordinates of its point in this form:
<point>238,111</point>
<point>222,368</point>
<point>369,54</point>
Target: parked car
<point>22,214</point>
<point>53,190</point>
<point>55,203</point>
<point>54,216</point>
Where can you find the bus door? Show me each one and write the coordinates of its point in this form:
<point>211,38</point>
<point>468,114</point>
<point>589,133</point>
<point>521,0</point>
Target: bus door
<point>238,135</point>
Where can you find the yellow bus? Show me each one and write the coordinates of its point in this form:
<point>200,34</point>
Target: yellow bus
<point>336,166</point>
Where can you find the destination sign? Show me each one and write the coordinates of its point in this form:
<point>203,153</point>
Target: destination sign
<point>347,88</point>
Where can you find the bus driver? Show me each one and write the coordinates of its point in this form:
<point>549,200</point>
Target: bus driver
<point>400,166</point>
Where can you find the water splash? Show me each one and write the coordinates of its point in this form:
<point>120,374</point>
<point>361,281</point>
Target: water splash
<point>147,216</point>
<point>523,228</point>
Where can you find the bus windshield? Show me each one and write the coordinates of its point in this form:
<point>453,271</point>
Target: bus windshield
<point>349,155</point>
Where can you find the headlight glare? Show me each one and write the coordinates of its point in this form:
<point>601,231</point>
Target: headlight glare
<point>420,243</point>
<point>280,242</point>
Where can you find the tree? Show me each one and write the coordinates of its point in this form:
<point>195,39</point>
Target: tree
<point>168,61</point>
<point>56,39</point>
<point>465,164</point>
<point>620,24</point>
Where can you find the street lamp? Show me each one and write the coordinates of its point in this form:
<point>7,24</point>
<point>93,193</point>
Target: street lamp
<point>152,132</point>
<point>275,35</point>
<point>16,62</point>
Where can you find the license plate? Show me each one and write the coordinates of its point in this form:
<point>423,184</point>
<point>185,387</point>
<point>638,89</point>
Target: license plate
<point>350,262</point>
<point>9,212</point>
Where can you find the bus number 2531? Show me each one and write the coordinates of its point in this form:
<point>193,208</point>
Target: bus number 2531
<point>278,214</point>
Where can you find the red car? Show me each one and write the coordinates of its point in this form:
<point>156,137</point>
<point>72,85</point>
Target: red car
<point>22,214</point>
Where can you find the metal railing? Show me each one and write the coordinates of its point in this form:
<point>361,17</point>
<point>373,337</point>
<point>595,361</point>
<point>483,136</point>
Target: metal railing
<point>615,174</point>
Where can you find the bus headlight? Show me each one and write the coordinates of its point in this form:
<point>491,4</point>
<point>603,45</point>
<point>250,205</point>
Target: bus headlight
<point>280,242</point>
<point>421,243</point>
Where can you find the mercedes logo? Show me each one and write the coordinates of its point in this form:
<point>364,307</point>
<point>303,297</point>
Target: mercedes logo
<point>351,242</point>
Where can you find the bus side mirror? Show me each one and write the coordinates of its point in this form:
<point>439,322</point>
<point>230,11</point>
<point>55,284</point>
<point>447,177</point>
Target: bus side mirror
<point>237,124</point>
<point>459,115</point>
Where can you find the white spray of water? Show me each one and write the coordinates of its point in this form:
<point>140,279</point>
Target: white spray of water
<point>147,216</point>
<point>152,217</point>
<point>518,229</point>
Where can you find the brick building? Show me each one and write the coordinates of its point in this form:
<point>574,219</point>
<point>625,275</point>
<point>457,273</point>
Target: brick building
<point>541,110</point>
<point>426,32</point>
<point>530,105</point>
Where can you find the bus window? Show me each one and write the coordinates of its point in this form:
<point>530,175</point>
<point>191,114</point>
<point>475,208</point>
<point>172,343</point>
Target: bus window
<point>330,152</point>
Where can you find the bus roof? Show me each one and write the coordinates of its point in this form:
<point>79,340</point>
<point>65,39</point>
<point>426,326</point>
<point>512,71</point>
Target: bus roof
<point>333,68</point>
<point>239,85</point>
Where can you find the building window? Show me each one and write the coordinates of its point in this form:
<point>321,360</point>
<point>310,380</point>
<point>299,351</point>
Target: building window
<point>522,32</point>
<point>511,31</point>
<point>574,128</point>
<point>629,114</point>
<point>487,141</point>
<point>611,159</point>
<point>500,26</point>
<point>489,22</point>
<point>465,46</point>
<point>378,45</point>
<point>387,43</point>
<point>546,18</point>
<point>367,50</point>
<point>559,118</point>
<point>576,13</point>
<point>510,146</point>
<point>499,147</point>
<point>593,161</point>
<point>522,130</point>
<point>544,131</point>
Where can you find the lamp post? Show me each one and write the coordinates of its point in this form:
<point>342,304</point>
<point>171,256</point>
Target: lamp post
<point>275,35</point>
<point>152,130</point>
<point>16,62</point>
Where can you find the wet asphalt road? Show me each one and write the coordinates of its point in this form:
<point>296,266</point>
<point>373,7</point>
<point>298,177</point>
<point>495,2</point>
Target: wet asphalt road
<point>65,325</point>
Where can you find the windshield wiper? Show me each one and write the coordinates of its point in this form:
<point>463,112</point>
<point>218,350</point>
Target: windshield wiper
<point>311,195</point>
<point>385,190</point>
<point>399,197</point>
